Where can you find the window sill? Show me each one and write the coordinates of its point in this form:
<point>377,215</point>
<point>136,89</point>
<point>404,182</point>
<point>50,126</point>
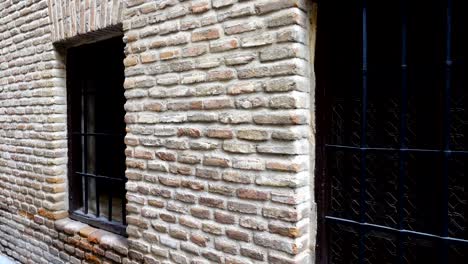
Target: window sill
<point>104,239</point>
<point>99,223</point>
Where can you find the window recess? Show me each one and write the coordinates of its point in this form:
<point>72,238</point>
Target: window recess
<point>95,76</point>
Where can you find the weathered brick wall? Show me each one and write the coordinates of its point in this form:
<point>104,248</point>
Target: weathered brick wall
<point>218,130</point>
<point>32,132</point>
<point>33,146</point>
<point>219,121</point>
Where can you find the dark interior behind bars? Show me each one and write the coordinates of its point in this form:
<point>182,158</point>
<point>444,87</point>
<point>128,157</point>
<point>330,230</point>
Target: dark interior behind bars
<point>392,131</point>
<point>95,76</point>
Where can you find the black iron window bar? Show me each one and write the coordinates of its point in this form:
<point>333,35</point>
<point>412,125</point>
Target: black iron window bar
<point>362,225</point>
<point>83,214</point>
<point>105,186</point>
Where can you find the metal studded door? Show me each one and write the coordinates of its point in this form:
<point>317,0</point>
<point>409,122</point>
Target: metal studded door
<point>392,131</point>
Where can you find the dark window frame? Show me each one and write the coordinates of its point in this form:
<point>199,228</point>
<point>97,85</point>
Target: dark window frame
<point>78,196</point>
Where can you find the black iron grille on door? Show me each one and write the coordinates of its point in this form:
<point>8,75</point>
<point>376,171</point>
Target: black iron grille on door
<point>392,123</point>
<point>95,76</point>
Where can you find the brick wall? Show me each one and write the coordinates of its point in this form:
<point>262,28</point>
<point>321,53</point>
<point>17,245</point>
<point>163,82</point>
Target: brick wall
<point>219,131</point>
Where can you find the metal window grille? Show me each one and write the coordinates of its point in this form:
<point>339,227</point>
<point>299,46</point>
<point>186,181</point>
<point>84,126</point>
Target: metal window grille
<point>392,122</point>
<point>95,75</point>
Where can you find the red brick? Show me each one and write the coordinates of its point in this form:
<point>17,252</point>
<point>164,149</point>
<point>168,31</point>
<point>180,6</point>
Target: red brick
<point>205,34</point>
<point>219,133</point>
